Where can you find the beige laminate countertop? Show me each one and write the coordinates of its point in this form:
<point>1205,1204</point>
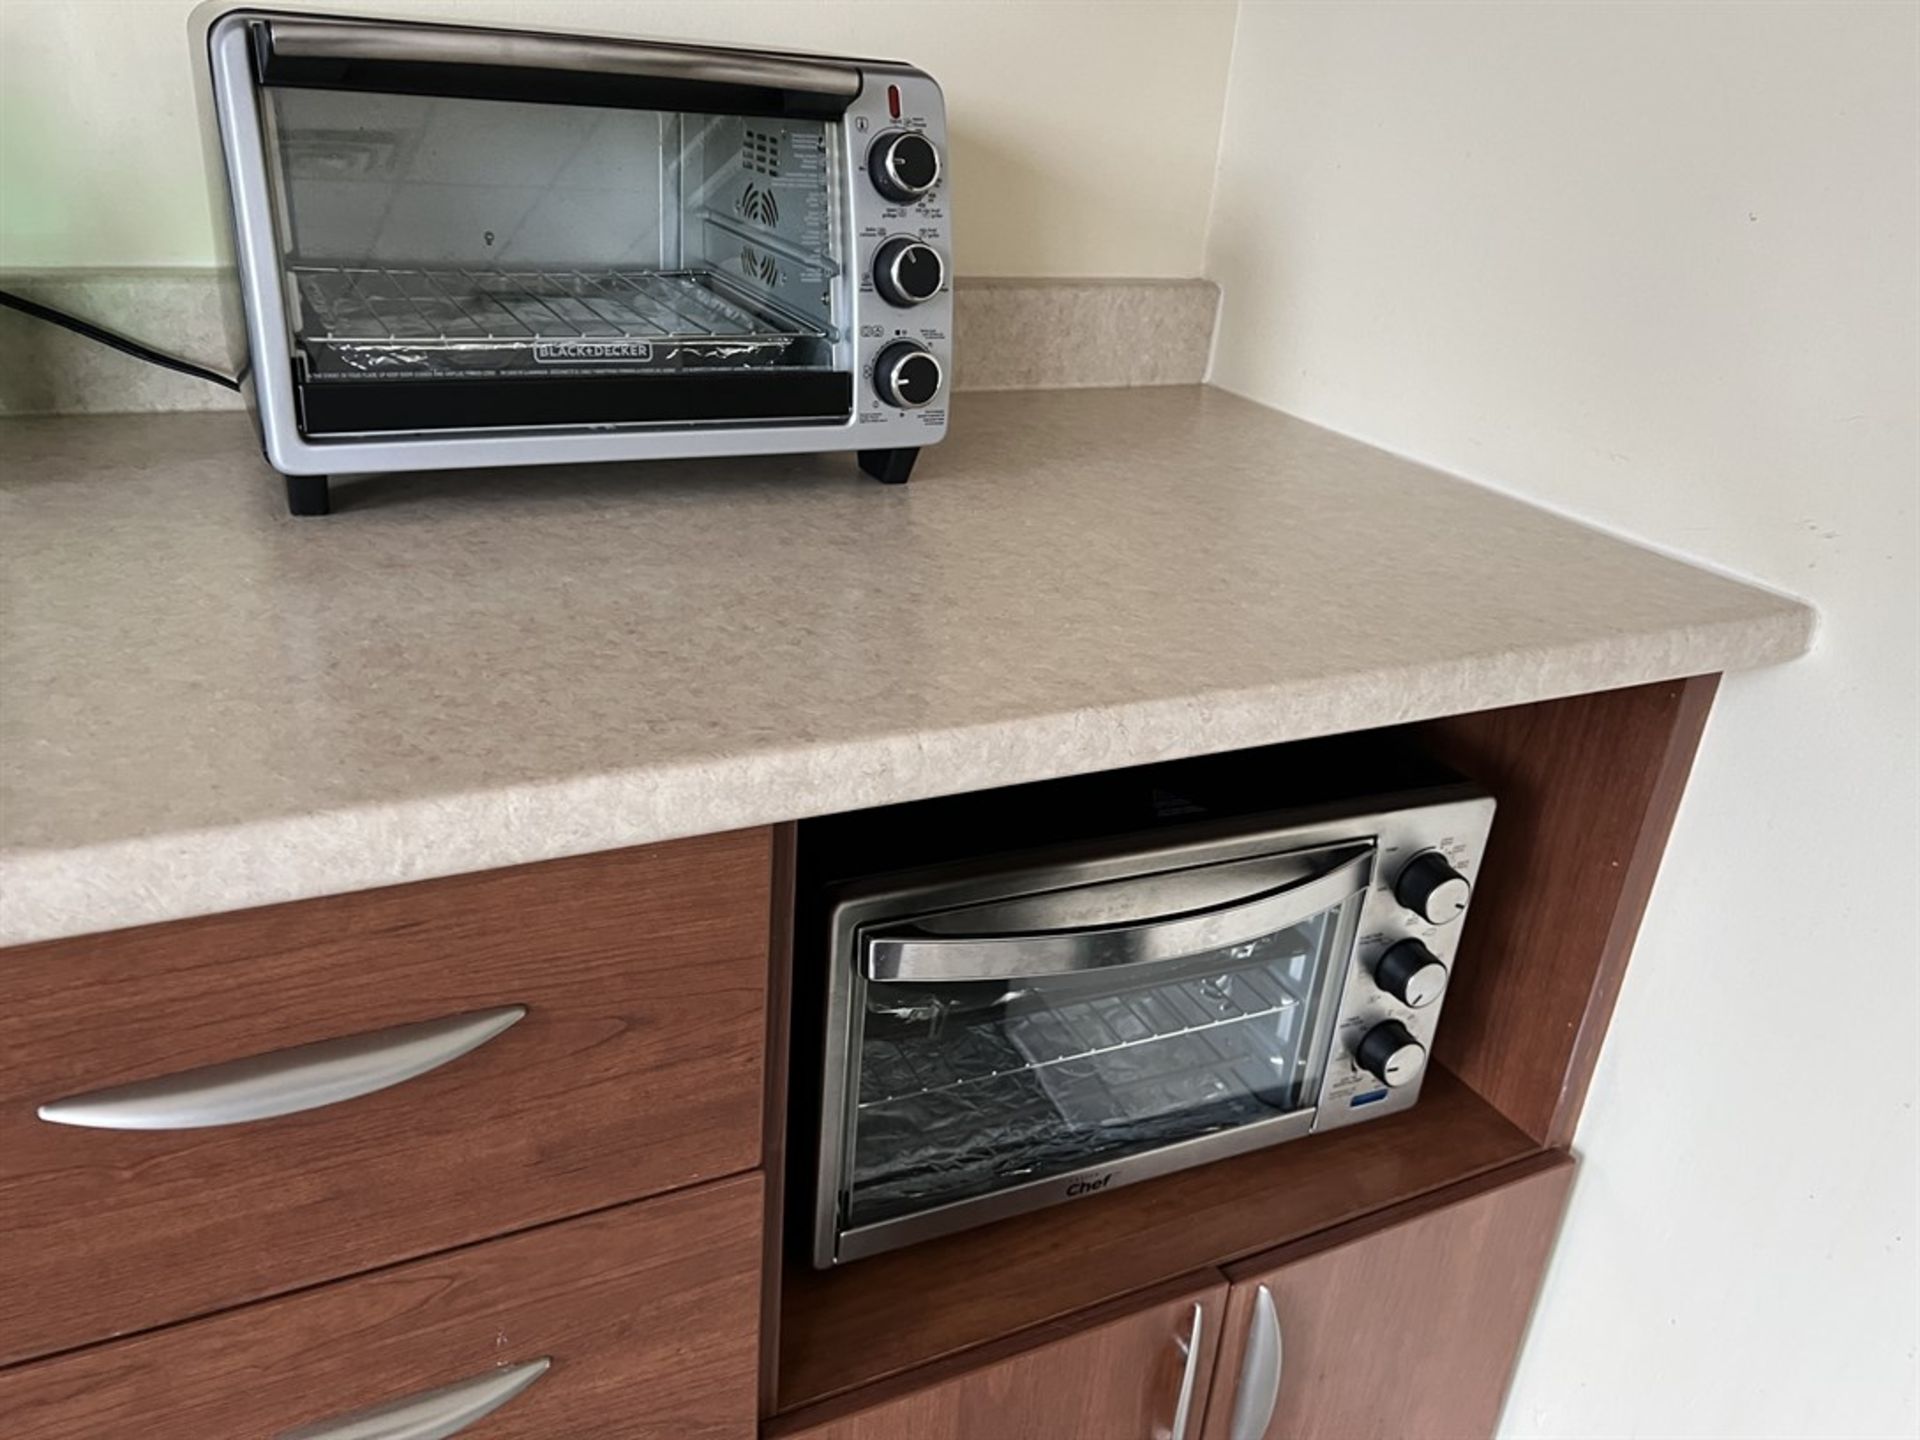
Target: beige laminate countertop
<point>208,705</point>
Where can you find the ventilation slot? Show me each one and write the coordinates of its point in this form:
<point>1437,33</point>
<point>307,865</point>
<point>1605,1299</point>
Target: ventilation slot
<point>760,152</point>
<point>759,206</point>
<point>761,267</point>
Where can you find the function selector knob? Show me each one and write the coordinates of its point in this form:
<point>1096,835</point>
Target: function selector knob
<point>904,165</point>
<point>1411,973</point>
<point>908,272</point>
<point>907,375</point>
<point>1390,1052</point>
<point>1432,888</point>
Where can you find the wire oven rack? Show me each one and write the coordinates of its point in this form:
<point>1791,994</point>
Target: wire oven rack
<point>1102,1031</point>
<point>379,319</point>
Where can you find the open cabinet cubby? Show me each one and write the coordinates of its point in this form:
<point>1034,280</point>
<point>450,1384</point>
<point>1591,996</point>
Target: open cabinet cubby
<point>1587,788</point>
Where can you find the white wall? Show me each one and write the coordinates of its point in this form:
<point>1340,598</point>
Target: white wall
<point>1061,163</point>
<point>1656,265</point>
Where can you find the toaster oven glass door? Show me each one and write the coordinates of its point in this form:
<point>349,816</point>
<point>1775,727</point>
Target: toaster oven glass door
<point>454,262</point>
<point>997,1063</point>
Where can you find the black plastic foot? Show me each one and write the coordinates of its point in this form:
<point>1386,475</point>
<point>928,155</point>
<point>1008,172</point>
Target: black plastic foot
<point>889,467</point>
<point>308,495</point>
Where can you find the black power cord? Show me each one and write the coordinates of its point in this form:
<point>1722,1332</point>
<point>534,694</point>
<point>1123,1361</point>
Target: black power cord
<point>113,341</point>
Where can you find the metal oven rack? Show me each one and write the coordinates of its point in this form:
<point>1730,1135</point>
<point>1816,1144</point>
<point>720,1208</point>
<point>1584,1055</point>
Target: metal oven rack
<point>366,320</point>
<point>895,1071</point>
<point>958,1106</point>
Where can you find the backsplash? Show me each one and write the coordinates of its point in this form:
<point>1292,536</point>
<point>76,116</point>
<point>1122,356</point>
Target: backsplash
<point>1011,335</point>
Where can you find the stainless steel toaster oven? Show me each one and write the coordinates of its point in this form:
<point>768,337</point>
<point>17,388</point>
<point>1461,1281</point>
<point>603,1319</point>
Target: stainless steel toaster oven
<point>1041,996</point>
<point>461,246</point>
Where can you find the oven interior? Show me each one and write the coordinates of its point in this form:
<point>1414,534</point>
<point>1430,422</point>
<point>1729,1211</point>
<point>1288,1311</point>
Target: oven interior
<point>968,1088</point>
<point>447,237</point>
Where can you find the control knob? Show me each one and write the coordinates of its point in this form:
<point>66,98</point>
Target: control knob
<point>908,272</point>
<point>907,375</point>
<point>1432,888</point>
<point>903,164</point>
<point>1411,973</point>
<point>1390,1052</point>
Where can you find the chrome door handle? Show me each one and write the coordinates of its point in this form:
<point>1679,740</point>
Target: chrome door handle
<point>1259,1390</point>
<point>319,39</point>
<point>430,1415</point>
<point>283,1082</point>
<point>924,957</point>
<point>1189,1347</point>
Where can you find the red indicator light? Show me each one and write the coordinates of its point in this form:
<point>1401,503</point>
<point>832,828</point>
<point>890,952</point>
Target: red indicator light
<point>893,101</point>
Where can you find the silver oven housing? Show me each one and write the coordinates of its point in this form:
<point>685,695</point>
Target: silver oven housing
<point>906,928</point>
<point>238,159</point>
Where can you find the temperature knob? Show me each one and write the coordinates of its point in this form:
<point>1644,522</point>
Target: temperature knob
<point>1432,888</point>
<point>1390,1052</point>
<point>907,272</point>
<point>907,375</point>
<point>1411,973</point>
<point>904,165</point>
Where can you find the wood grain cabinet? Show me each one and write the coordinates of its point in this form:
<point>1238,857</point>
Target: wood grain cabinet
<point>1138,1370</point>
<point>639,1323</point>
<point>1405,1324</point>
<point>635,984</point>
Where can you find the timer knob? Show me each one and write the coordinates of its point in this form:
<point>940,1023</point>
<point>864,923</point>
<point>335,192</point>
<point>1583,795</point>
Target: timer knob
<point>1390,1052</point>
<point>907,375</point>
<point>1411,973</point>
<point>1432,888</point>
<point>903,164</point>
<point>907,272</point>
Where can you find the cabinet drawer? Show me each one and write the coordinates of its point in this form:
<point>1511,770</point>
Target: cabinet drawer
<point>645,1316</point>
<point>636,1068</point>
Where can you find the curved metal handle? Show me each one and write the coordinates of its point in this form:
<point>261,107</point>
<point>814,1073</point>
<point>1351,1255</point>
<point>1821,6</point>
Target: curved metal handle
<point>284,1081</point>
<point>432,1414</point>
<point>1259,1388</point>
<point>922,957</point>
<point>1189,1347</point>
<point>319,39</point>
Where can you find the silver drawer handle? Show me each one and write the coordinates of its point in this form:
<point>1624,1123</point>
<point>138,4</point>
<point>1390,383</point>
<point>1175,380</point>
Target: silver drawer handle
<point>431,1414</point>
<point>1259,1388</point>
<point>284,1081</point>
<point>926,957</point>
<point>1190,1347</point>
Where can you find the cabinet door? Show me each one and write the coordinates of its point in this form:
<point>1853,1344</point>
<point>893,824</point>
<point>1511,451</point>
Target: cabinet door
<point>1136,1371</point>
<point>1405,1324</point>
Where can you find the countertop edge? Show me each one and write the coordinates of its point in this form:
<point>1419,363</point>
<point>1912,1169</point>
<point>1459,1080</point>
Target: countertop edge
<point>55,894</point>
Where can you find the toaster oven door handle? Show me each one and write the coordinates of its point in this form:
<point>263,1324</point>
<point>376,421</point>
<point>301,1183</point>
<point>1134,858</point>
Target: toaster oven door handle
<point>340,41</point>
<point>914,955</point>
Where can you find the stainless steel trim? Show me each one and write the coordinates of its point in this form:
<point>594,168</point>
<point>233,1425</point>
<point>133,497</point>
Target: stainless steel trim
<point>891,380</point>
<point>863,1240</point>
<point>344,40</point>
<point>283,1082</point>
<point>1259,1389</point>
<point>916,956</point>
<point>432,1414</point>
<point>1189,1375</point>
